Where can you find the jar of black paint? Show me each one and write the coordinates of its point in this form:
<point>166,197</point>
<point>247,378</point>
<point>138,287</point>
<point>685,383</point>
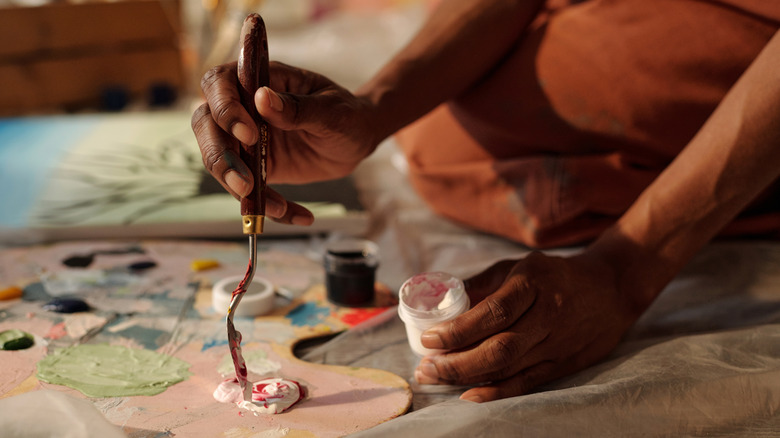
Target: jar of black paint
<point>350,272</point>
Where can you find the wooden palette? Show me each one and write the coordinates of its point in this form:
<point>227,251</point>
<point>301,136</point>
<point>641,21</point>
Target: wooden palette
<point>168,309</point>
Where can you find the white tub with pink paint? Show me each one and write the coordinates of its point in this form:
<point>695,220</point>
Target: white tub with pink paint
<point>428,299</point>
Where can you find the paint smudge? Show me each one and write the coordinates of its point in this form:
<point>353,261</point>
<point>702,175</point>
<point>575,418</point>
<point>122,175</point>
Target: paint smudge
<point>203,264</point>
<point>147,337</point>
<point>257,362</point>
<point>84,260</point>
<point>142,265</point>
<point>308,314</point>
<point>66,305</point>
<point>104,370</point>
<point>357,316</point>
<point>57,331</point>
<point>79,324</point>
<point>35,292</point>
<point>71,282</point>
<point>213,342</point>
<point>10,293</point>
<point>15,339</point>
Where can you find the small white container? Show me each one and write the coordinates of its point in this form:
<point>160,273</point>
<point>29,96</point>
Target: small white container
<point>258,299</point>
<point>428,299</point>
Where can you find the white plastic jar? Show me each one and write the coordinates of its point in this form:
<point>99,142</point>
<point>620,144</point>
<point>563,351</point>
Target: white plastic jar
<point>428,299</point>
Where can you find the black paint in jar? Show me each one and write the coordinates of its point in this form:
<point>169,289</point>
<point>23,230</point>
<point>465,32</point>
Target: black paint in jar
<point>350,272</point>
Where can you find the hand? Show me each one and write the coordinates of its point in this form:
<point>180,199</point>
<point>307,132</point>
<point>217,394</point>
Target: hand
<point>533,320</point>
<point>319,131</point>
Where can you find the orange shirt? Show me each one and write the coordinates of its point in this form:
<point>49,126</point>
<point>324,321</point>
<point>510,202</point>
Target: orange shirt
<point>590,106</point>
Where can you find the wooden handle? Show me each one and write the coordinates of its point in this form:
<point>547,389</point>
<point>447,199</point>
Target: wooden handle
<point>253,74</point>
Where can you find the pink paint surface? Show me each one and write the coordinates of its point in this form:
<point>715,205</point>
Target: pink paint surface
<point>19,365</point>
<point>425,291</point>
<point>338,400</point>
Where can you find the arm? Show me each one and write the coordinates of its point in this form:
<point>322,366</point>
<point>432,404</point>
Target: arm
<point>461,42</point>
<point>322,131</point>
<point>543,317</point>
<point>728,163</point>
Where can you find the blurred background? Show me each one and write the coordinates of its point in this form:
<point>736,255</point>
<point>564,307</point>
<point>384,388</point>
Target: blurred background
<point>66,56</point>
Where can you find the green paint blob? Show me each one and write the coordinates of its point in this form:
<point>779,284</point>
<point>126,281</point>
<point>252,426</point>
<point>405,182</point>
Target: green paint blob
<point>15,339</point>
<point>103,370</point>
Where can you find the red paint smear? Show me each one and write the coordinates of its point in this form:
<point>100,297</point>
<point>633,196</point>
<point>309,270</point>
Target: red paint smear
<point>235,342</point>
<point>241,288</point>
<point>357,316</point>
<point>258,395</point>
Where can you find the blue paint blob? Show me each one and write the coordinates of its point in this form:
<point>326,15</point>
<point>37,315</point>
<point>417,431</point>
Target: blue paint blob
<point>308,314</point>
<point>213,342</point>
<point>66,305</point>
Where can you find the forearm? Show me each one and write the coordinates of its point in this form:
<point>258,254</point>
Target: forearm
<point>460,42</point>
<point>728,163</point>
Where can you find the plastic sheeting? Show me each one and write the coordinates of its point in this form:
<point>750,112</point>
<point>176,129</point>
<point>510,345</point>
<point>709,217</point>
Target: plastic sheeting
<point>65,416</point>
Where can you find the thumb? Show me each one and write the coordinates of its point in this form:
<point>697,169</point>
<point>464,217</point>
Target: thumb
<point>282,110</point>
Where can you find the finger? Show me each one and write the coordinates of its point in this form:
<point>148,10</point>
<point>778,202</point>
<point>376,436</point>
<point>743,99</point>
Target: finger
<point>295,80</point>
<point>297,112</point>
<point>220,87</point>
<point>220,154</point>
<point>497,357</point>
<point>519,384</point>
<point>286,212</point>
<point>494,314</point>
<point>299,99</point>
<point>488,281</point>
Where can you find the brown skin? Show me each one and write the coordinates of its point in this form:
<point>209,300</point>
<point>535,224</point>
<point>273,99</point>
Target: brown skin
<point>541,317</point>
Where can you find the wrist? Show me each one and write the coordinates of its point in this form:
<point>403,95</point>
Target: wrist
<point>384,116</point>
<point>639,272</point>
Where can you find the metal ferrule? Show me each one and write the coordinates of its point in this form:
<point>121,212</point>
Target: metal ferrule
<point>253,224</point>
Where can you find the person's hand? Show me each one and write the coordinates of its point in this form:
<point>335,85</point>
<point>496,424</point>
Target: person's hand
<point>533,320</point>
<point>319,131</point>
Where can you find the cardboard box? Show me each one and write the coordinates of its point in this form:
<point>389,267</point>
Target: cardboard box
<point>65,56</point>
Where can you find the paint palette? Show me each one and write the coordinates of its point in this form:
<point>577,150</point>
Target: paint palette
<point>167,309</point>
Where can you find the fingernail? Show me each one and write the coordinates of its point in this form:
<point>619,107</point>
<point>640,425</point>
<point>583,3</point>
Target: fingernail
<point>243,133</point>
<point>422,379</point>
<point>429,369</point>
<point>431,339</point>
<point>473,398</point>
<point>236,183</point>
<point>277,104</point>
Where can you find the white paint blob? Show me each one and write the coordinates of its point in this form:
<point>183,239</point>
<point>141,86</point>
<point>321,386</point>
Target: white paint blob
<point>269,396</point>
<point>428,299</point>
